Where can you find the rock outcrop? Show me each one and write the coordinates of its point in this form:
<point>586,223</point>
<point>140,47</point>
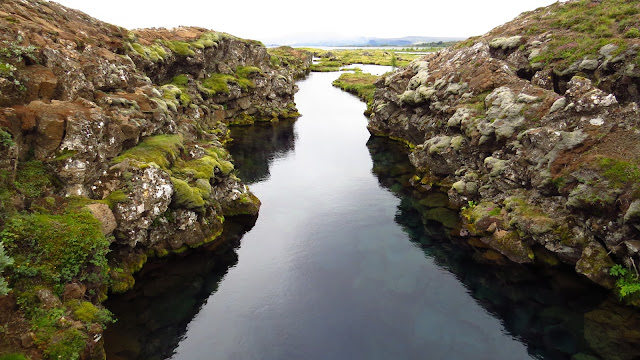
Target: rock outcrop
<point>533,131</point>
<point>126,128</point>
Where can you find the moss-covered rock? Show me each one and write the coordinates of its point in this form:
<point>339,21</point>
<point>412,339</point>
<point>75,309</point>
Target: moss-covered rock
<point>595,264</point>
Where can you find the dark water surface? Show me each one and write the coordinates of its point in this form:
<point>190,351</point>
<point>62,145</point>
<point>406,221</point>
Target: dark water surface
<point>342,263</point>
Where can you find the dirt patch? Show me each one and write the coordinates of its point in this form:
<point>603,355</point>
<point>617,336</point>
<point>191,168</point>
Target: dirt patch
<point>13,326</point>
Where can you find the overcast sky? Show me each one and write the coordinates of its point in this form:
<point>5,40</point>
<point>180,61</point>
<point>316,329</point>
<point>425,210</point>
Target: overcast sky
<point>281,20</point>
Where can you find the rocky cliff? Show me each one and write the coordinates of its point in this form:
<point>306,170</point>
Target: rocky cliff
<point>533,130</point>
<point>111,150</point>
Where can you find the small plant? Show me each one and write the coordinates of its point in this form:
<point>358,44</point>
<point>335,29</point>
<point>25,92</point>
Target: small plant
<point>470,205</point>
<point>12,54</point>
<point>627,283</point>
<point>5,261</point>
<point>632,33</point>
<point>6,139</point>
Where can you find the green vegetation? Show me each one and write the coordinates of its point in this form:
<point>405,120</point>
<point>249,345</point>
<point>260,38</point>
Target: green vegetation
<point>180,82</point>
<point>207,40</point>
<point>286,56</point>
<point>57,339</point>
<point>628,283</point>
<point>190,178</point>
<point>49,250</point>
<point>12,56</point>
<point>5,261</point>
<point>32,179</point>
<point>333,60</point>
<point>618,172</point>
<point>358,83</point>
<point>6,140</point>
<point>161,49</point>
<point>153,52</point>
<point>161,150</point>
<point>581,28</point>
<point>179,47</point>
<point>219,83</point>
<point>88,313</point>
<point>13,357</point>
<point>55,249</point>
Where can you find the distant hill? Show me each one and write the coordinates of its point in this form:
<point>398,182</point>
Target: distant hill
<point>364,41</point>
<point>406,41</point>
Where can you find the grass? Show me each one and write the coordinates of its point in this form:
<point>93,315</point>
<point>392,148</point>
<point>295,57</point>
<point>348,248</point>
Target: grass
<point>333,60</point>
<point>581,28</point>
<point>358,83</point>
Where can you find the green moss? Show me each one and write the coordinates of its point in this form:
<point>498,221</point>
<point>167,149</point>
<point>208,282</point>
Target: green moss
<point>85,311</point>
<point>185,99</point>
<point>332,60</point>
<point>14,357</point>
<point>68,344</point>
<point>246,71</point>
<point>180,80</point>
<point>204,167</point>
<point>217,83</point>
<point>56,248</point>
<point>619,172</point>
<point>88,313</point>
<point>632,33</point>
<point>288,57</point>
<point>242,119</point>
<point>179,47</point>
<point>186,196</point>
<point>160,149</point>
<point>153,52</point>
<point>275,61</point>
<point>33,179</point>
<point>116,197</point>
<point>207,40</point>
<point>121,282</point>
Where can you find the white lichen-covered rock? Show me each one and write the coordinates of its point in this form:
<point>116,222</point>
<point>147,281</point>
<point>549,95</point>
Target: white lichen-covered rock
<point>148,192</point>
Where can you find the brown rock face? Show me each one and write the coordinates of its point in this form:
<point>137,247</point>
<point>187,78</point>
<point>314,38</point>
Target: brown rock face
<point>103,213</point>
<point>74,291</point>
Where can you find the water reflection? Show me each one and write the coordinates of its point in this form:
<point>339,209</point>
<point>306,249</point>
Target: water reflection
<point>252,155</point>
<point>345,264</point>
<point>556,313</point>
<point>153,316</point>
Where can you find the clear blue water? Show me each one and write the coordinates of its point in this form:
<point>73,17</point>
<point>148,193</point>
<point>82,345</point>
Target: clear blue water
<point>342,264</point>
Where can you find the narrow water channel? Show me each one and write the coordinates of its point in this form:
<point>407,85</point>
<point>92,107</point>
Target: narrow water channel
<point>342,264</point>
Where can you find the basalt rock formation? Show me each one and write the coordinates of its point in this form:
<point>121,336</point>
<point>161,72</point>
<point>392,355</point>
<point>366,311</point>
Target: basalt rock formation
<point>111,141</point>
<point>533,130</point>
